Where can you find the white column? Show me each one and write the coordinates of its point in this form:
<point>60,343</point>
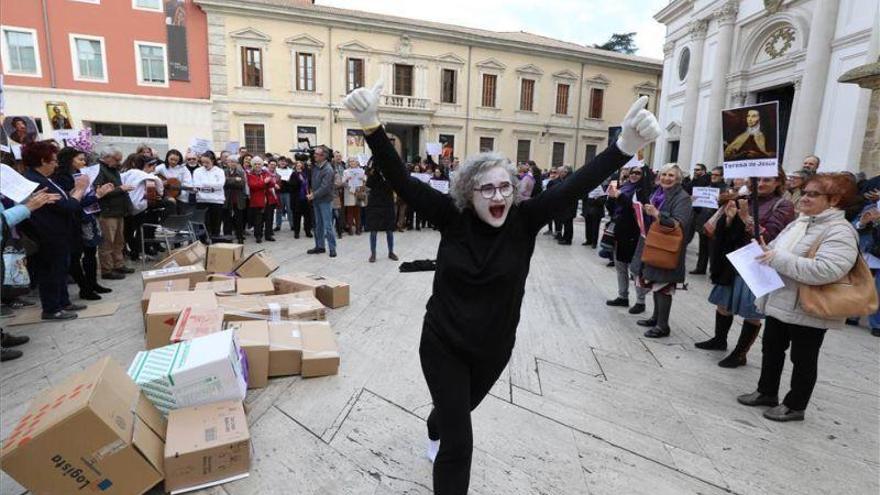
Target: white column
<point>692,93</point>
<point>804,126</point>
<point>726,17</point>
<point>660,151</point>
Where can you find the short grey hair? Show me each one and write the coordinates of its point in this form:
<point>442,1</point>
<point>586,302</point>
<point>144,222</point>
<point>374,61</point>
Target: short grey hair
<point>472,170</point>
<point>110,151</point>
<point>676,168</point>
<point>256,160</point>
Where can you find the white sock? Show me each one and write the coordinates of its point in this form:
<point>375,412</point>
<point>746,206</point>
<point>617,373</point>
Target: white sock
<point>433,448</point>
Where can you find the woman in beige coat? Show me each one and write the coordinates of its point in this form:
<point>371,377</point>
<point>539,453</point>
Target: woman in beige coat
<point>821,221</point>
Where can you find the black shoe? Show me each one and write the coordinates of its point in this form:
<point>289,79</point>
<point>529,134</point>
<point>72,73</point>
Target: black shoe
<point>126,270</point>
<point>734,360</point>
<point>59,315</point>
<point>609,264</point>
<point>332,254</point>
<point>758,399</point>
<point>316,251</point>
<point>650,322</point>
<point>713,344</point>
<point>75,307</point>
<point>296,235</point>
<point>563,242</point>
<point>276,230</point>
<point>97,289</point>
<point>657,332</point>
<point>270,239</point>
<point>783,413</point>
<point>392,257</point>
<point>586,243</point>
<point>875,332</point>
<point>13,340</point>
<point>89,296</point>
<point>309,235</point>
<point>113,276</point>
<point>697,272</point>
<point>637,308</point>
<point>853,321</point>
<point>620,302</point>
<point>9,354</point>
<point>259,241</point>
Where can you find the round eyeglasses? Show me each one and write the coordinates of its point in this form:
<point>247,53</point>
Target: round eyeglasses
<point>488,190</point>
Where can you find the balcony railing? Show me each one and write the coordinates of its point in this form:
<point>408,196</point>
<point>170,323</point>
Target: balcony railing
<point>410,102</point>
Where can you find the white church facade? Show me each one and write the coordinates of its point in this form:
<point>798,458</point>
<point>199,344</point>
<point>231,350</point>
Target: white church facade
<point>729,53</point>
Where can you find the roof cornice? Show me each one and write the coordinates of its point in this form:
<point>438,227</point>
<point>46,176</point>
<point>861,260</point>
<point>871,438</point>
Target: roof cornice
<point>673,10</point>
<point>432,32</point>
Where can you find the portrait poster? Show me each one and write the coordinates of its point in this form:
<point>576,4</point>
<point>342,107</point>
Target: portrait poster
<point>21,129</point>
<point>175,27</point>
<point>354,142</point>
<point>59,115</point>
<point>306,136</point>
<point>750,140</point>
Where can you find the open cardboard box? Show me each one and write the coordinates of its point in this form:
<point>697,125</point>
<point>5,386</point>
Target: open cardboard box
<point>332,293</point>
<point>192,254</point>
<point>193,273</point>
<point>224,257</point>
<point>165,308</point>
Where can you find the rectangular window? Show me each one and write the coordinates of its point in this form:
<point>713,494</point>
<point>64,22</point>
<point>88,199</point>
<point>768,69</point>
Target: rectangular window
<point>447,91</point>
<point>489,83</point>
<point>305,71</point>
<point>562,99</point>
<point>590,153</point>
<point>20,53</point>
<point>355,74</point>
<point>89,58</point>
<point>523,150</point>
<point>487,144</point>
<point>129,130</point>
<point>596,104</point>
<point>403,79</point>
<point>255,138</point>
<point>151,63</point>
<point>558,154</point>
<point>251,67</point>
<point>527,95</point>
<point>154,5</point>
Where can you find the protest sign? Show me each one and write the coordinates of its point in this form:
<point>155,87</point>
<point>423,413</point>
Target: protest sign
<point>233,146</point>
<point>200,145</point>
<point>433,149</point>
<point>440,185</point>
<point>422,177</point>
<point>750,137</point>
<point>706,197</point>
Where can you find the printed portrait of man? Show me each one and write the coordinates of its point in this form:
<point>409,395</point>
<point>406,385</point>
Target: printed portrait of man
<point>59,116</point>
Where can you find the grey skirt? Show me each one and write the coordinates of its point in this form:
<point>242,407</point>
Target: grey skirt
<point>737,299</point>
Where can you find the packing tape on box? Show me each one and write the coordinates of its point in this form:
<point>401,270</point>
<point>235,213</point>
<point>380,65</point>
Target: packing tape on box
<point>296,334</point>
<point>274,312</point>
<point>323,354</point>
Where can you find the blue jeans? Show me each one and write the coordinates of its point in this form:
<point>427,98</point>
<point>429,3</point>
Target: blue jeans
<point>389,238</point>
<point>284,209</point>
<point>874,319</point>
<point>324,225</point>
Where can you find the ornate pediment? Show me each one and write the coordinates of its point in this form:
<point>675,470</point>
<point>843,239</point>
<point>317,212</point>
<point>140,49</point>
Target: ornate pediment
<point>250,34</point>
<point>530,69</point>
<point>492,64</point>
<point>565,74</point>
<point>673,130</point>
<point>353,46</point>
<point>304,40</point>
<point>646,87</point>
<point>599,80</point>
<point>451,58</point>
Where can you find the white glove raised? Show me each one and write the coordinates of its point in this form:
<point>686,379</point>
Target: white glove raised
<point>363,104</point>
<point>639,128</point>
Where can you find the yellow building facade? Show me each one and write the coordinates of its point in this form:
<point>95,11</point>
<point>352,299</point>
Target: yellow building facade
<point>280,70</point>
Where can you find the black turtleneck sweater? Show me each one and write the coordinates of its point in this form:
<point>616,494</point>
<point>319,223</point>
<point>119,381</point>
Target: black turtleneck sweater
<point>481,270</point>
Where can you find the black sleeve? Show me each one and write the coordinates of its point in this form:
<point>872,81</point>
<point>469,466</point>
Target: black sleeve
<point>542,207</point>
<point>437,208</point>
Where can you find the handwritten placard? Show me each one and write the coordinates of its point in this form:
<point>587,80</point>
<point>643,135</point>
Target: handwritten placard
<point>705,197</point>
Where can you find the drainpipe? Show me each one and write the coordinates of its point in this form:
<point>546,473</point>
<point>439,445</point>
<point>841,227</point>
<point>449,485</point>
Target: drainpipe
<point>467,115</point>
<point>329,85</point>
<point>50,58</point>
<point>577,123</point>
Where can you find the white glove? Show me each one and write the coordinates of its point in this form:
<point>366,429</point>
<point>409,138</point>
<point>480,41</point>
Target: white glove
<point>639,128</point>
<point>363,104</point>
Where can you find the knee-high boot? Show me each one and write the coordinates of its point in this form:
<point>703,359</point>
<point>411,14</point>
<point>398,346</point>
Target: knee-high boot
<point>719,341</point>
<point>747,337</point>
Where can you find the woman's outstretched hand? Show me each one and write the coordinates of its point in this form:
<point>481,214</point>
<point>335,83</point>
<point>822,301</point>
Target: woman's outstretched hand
<point>363,104</point>
<point>638,128</point>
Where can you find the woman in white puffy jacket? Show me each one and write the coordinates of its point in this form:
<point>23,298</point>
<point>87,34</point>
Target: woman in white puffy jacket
<point>209,180</point>
<point>822,223</point>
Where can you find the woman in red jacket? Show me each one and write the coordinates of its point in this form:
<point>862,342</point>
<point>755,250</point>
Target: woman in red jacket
<point>263,199</point>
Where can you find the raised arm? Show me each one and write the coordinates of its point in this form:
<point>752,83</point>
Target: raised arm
<point>364,105</point>
<point>639,128</point>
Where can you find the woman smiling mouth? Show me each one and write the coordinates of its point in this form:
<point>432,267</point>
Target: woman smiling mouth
<point>497,211</point>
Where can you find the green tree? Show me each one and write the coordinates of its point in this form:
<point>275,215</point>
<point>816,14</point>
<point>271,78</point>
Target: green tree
<point>620,42</point>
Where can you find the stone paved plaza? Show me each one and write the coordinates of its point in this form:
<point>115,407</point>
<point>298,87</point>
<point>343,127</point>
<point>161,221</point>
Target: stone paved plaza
<point>587,405</point>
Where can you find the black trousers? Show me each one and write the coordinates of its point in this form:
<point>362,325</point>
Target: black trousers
<point>262,219</point>
<point>458,384</point>
<point>592,222</point>
<point>233,221</point>
<point>702,253</point>
<point>76,269</point>
<point>53,263</point>
<point>566,226</point>
<point>302,216</point>
<point>132,232</point>
<point>805,344</point>
<point>213,217</point>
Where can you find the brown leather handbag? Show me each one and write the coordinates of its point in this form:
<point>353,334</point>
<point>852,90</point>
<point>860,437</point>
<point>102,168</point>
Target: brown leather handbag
<point>662,246</point>
<point>853,295</point>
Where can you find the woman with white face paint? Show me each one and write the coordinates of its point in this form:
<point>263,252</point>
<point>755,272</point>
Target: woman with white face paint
<point>486,245</point>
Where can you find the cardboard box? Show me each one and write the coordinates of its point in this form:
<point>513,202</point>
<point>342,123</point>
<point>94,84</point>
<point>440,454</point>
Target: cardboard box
<point>253,337</point>
<point>225,287</point>
<point>193,273</point>
<point>165,307</point>
<point>255,286</point>
<point>208,445</point>
<point>298,306</point>
<point>193,254</point>
<point>332,293</point>
<point>197,322</point>
<point>193,372</point>
<point>285,348</point>
<point>176,285</point>
<point>258,264</point>
<point>320,355</point>
<point>93,433</point>
<point>224,257</point>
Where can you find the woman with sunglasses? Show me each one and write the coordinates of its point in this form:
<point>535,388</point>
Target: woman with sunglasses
<point>486,243</point>
<point>626,236</point>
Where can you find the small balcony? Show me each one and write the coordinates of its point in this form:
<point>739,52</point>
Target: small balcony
<point>407,103</point>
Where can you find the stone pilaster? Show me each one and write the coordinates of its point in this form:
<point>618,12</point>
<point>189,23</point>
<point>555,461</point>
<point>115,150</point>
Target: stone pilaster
<point>698,29</point>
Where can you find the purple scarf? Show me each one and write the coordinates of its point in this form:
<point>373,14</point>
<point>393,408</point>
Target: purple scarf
<point>658,197</point>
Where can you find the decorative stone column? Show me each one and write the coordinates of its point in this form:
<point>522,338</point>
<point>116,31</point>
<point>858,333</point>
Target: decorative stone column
<point>692,93</point>
<point>868,76</point>
<point>219,78</point>
<point>806,119</point>
<point>726,17</point>
<point>661,149</point>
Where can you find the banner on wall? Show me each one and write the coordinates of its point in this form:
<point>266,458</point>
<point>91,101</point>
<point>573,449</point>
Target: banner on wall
<point>178,56</point>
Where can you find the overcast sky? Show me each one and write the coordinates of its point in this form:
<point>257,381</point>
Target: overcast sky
<point>580,21</point>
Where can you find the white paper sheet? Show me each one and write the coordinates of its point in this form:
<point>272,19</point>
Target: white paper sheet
<point>598,192</point>
<point>13,185</point>
<point>66,133</point>
<point>423,177</point>
<point>199,145</point>
<point>760,278</point>
<point>92,172</point>
<point>233,146</point>
<point>433,149</point>
<point>706,197</point>
<point>284,173</point>
<point>440,185</point>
